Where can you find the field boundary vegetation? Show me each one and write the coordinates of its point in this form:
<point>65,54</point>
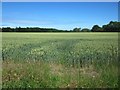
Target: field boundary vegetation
<point>113,26</point>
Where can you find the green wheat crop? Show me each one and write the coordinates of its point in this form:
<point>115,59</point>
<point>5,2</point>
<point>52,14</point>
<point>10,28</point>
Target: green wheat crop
<point>60,60</point>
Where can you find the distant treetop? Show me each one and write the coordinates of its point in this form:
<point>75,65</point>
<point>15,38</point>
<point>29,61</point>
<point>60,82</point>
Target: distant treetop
<point>112,26</point>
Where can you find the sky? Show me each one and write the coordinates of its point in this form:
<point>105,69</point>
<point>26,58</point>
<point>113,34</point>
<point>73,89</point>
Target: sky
<point>60,0</point>
<point>60,15</point>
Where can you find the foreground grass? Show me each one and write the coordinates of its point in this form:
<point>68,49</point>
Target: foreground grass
<point>38,74</point>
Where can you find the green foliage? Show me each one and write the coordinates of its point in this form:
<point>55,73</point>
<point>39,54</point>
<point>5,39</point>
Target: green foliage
<point>76,29</point>
<point>85,30</point>
<point>96,28</point>
<point>111,27</point>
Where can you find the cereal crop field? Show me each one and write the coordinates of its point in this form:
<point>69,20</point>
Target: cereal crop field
<point>60,60</point>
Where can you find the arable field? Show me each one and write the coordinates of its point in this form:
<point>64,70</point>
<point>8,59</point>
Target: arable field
<point>60,60</point>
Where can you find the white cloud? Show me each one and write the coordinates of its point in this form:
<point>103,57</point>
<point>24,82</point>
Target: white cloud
<point>26,22</point>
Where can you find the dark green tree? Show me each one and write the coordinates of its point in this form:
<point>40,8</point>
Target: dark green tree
<point>112,27</point>
<point>85,30</point>
<point>96,28</point>
<point>76,29</point>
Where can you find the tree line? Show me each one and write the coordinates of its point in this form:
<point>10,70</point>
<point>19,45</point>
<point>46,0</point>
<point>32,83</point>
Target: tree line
<point>112,26</point>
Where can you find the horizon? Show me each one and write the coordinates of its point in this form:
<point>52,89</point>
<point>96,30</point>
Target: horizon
<point>58,15</point>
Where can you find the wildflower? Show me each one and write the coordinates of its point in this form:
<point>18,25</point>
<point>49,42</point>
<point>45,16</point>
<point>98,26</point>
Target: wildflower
<point>68,85</point>
<point>15,74</point>
<point>32,76</point>
<point>18,78</point>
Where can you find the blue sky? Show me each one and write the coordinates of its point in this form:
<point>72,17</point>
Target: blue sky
<point>60,15</point>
